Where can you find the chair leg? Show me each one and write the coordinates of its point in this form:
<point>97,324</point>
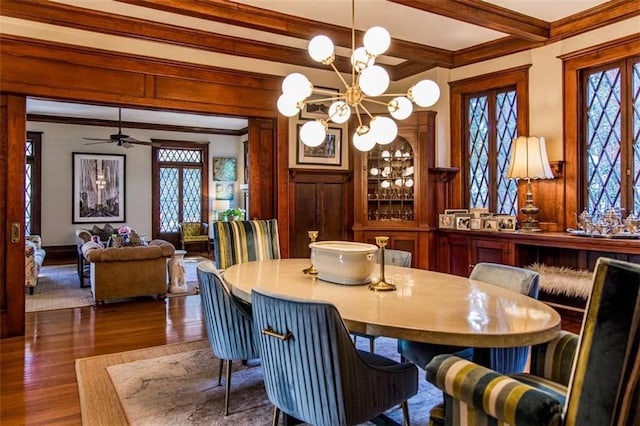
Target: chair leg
<point>220,372</point>
<point>227,388</point>
<point>372,344</point>
<point>405,413</point>
<point>276,415</point>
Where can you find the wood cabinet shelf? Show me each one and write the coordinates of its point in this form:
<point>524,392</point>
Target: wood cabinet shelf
<point>391,192</point>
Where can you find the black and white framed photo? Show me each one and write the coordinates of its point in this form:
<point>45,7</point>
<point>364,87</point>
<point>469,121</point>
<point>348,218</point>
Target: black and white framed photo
<point>490,224</point>
<point>446,221</point>
<point>507,223</point>
<point>463,222</point>
<point>317,105</point>
<point>328,153</point>
<point>98,188</point>
<point>456,211</point>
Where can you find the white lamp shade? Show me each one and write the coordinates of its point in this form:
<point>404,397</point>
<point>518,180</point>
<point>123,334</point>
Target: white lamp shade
<point>339,112</point>
<point>377,40</point>
<point>383,129</point>
<point>360,60</point>
<point>313,133</point>
<point>297,86</point>
<point>400,108</point>
<point>374,81</point>
<point>321,49</point>
<point>362,139</point>
<point>425,93</point>
<point>287,106</point>
<point>529,159</point>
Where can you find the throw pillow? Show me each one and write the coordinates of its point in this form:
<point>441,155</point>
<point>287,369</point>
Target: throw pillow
<point>107,231</point>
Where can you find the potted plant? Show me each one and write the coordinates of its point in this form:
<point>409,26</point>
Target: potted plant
<point>233,214</point>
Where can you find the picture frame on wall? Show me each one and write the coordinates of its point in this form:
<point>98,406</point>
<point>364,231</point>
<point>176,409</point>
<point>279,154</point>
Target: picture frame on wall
<point>224,169</point>
<point>328,153</point>
<point>224,190</point>
<point>98,188</point>
<point>317,105</point>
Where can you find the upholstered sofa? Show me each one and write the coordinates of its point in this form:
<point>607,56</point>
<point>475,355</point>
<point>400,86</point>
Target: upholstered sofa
<point>33,258</point>
<point>125,272</point>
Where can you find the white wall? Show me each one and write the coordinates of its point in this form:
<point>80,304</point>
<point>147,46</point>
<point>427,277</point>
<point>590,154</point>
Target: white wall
<point>60,140</point>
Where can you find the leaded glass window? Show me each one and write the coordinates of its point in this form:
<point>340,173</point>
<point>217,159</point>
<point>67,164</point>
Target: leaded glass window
<point>32,183</point>
<point>28,188</point>
<point>492,120</point>
<point>180,187</point>
<point>611,168</point>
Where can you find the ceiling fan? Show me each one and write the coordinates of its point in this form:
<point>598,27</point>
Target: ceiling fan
<point>120,138</point>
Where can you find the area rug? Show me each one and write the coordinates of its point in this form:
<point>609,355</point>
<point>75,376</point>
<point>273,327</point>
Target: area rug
<point>177,384</point>
<point>58,288</point>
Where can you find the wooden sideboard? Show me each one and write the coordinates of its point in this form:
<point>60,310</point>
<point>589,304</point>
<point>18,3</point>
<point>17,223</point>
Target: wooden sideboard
<point>459,251</point>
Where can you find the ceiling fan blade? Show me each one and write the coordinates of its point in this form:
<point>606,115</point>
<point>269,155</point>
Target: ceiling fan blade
<point>127,144</point>
<point>97,143</point>
<point>98,139</point>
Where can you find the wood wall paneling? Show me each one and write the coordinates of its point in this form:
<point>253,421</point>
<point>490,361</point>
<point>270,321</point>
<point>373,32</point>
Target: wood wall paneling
<point>12,166</point>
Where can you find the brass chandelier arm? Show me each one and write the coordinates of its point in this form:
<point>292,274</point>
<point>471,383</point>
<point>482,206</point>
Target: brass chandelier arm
<point>346,85</point>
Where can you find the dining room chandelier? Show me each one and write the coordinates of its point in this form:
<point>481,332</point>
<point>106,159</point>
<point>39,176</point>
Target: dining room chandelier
<point>369,83</point>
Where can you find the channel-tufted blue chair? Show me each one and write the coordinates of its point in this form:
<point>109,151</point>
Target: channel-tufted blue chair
<point>395,258</point>
<point>228,323</point>
<point>504,360</point>
<point>240,241</point>
<point>312,370</point>
<point>603,385</point>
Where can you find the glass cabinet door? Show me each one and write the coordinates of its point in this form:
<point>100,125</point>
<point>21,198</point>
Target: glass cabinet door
<point>390,182</point>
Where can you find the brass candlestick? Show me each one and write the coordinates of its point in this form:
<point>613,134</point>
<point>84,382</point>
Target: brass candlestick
<point>311,270</point>
<point>382,285</point>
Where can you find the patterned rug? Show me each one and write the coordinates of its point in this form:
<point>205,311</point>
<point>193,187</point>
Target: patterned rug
<point>178,385</point>
<point>58,288</point>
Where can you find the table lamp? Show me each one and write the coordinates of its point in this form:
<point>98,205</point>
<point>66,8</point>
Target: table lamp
<point>529,161</point>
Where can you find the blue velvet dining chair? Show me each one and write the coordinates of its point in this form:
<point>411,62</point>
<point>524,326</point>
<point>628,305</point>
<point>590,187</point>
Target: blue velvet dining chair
<point>239,241</point>
<point>504,360</point>
<point>312,370</point>
<point>228,322</point>
<point>395,258</point>
<point>591,379</point>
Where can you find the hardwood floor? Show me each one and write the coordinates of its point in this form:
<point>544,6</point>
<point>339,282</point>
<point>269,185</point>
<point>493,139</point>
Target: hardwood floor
<point>38,381</point>
<point>37,378</point>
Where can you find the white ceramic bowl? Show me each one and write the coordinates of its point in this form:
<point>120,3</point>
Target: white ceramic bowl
<point>344,262</point>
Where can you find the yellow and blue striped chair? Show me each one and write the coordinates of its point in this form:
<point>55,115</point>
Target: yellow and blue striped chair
<point>602,388</point>
<point>240,241</point>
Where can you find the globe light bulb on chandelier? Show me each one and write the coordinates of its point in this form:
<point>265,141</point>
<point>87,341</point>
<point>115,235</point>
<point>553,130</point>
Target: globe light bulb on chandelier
<point>368,83</point>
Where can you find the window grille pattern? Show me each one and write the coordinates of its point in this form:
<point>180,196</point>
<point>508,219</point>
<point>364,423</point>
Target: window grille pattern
<point>166,155</point>
<point>191,199</point>
<point>603,140</point>
<point>507,126</point>
<point>478,119</point>
<point>28,188</point>
<point>169,200</point>
<point>635,93</point>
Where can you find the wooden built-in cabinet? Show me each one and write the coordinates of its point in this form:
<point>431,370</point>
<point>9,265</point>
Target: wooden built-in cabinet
<point>391,191</point>
<point>459,251</point>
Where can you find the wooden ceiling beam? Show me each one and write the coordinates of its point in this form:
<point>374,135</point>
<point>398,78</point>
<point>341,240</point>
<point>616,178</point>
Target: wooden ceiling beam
<point>605,14</point>
<point>255,18</point>
<point>125,26</point>
<point>485,15</point>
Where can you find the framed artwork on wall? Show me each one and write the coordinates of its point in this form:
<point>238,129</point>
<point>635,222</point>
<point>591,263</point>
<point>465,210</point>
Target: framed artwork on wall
<point>98,188</point>
<point>224,169</point>
<point>317,105</point>
<point>224,190</point>
<point>328,153</point>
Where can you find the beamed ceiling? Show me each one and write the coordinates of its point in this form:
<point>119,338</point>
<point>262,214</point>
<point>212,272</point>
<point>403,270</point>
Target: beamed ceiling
<point>271,36</point>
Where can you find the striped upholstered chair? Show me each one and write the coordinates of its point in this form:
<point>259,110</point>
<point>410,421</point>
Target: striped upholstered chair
<point>240,241</point>
<point>313,372</point>
<point>603,385</point>
<point>504,360</point>
<point>228,323</point>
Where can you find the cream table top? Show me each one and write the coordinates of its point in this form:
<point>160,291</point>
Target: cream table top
<point>427,306</point>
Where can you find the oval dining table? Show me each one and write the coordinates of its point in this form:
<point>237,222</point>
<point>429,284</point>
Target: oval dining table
<point>427,306</point>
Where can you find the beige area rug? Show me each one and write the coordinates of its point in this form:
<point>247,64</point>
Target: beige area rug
<point>58,288</point>
<point>190,276</point>
<point>177,385</point>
